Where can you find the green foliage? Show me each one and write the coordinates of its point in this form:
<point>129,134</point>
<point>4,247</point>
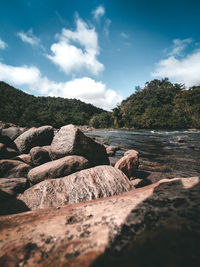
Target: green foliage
<point>103,120</point>
<point>27,110</point>
<point>162,105</point>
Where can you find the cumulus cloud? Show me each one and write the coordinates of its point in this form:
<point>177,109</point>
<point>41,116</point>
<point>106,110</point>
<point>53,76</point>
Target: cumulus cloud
<point>185,69</point>
<point>98,12</point>
<point>29,38</point>
<point>3,45</point>
<point>85,89</point>
<point>124,35</point>
<point>77,50</point>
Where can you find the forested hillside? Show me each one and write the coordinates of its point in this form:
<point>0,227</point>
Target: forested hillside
<point>159,105</point>
<point>27,110</point>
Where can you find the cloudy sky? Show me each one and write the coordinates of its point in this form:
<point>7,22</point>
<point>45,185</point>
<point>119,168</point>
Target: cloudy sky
<point>98,51</point>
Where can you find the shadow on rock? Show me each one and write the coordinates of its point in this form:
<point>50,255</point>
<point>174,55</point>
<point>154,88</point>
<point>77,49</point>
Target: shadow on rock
<point>10,205</point>
<point>163,230</point>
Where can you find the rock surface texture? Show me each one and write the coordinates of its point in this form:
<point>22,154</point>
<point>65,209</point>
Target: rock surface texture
<point>13,168</point>
<point>97,182</point>
<point>129,163</point>
<point>41,136</point>
<point>57,168</point>
<point>71,141</point>
<point>39,155</point>
<point>158,225</point>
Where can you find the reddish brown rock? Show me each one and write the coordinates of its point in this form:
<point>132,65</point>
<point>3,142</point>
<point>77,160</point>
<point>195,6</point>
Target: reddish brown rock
<point>111,150</point>
<point>57,168</point>
<point>26,158</point>
<point>71,141</point>
<point>7,152</point>
<point>97,182</point>
<point>13,168</point>
<point>34,137</point>
<point>13,132</point>
<point>13,186</point>
<point>157,225</point>
<point>129,163</point>
<point>39,155</point>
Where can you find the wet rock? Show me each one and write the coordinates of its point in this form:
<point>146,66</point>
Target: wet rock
<point>97,182</point>
<point>57,168</point>
<point>39,155</point>
<point>13,168</point>
<point>71,141</point>
<point>178,140</point>
<point>129,163</point>
<point>34,137</point>
<point>13,132</point>
<point>157,225</point>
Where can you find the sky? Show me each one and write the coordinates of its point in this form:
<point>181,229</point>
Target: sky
<point>98,51</point>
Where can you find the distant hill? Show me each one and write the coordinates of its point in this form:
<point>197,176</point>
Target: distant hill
<point>27,110</point>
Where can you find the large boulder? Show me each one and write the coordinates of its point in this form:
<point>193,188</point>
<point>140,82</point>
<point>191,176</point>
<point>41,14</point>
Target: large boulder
<point>157,225</point>
<point>13,186</point>
<point>13,168</point>
<point>34,137</point>
<point>97,182</point>
<point>39,155</point>
<point>57,168</point>
<point>71,141</point>
<point>129,163</point>
<point>13,132</point>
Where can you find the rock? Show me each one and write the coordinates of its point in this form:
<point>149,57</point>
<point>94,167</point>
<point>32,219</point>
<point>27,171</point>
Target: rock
<point>157,225</point>
<point>7,142</point>
<point>7,152</point>
<point>178,140</point>
<point>13,186</point>
<point>138,183</point>
<point>128,164</point>
<point>57,168</point>
<point>34,137</point>
<point>13,168</point>
<point>13,132</point>
<point>131,151</point>
<point>39,155</point>
<point>97,182</point>
<point>111,150</point>
<point>71,141</point>
<point>26,158</point>
<point>192,130</point>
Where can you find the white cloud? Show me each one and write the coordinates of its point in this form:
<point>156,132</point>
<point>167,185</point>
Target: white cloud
<point>85,89</point>
<point>178,46</point>
<point>3,45</point>
<point>29,38</point>
<point>98,12</point>
<point>124,35</point>
<point>185,70</point>
<point>77,50</point>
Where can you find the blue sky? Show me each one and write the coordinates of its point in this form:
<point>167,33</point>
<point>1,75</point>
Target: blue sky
<point>98,51</point>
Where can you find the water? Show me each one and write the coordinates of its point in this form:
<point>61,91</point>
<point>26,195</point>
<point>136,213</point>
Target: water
<point>161,155</point>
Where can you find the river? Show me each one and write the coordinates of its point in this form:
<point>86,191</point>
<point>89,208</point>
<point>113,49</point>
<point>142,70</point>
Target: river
<point>163,154</point>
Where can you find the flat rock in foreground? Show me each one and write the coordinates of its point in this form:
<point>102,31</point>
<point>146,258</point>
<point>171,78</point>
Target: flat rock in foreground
<point>158,225</point>
<point>71,141</point>
<point>97,182</point>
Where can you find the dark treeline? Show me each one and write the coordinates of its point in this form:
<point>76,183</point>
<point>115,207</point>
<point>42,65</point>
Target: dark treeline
<point>159,105</point>
<point>27,110</point>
